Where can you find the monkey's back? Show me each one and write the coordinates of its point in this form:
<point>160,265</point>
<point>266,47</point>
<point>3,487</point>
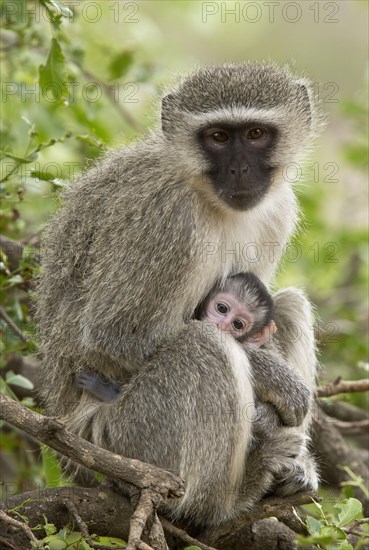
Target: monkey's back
<point>98,244</point>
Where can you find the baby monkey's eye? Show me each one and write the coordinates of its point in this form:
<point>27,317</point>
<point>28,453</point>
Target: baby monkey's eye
<point>222,308</point>
<point>238,324</point>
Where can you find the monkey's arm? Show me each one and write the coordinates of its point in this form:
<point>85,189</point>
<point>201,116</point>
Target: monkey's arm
<point>276,383</point>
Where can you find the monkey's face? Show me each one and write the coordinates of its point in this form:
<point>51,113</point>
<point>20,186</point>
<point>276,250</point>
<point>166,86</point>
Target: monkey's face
<point>229,314</point>
<point>238,157</point>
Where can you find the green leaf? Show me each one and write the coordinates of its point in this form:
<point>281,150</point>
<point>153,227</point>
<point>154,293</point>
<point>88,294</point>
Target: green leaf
<point>52,75</point>
<point>90,140</point>
<point>51,467</point>
<point>120,64</point>
<point>331,533</point>
<point>15,280</point>
<point>54,542</point>
<point>350,509</point>
<point>20,160</point>
<point>74,538</point>
<point>58,6</point>
<point>44,176</point>
<point>18,380</point>
<point>313,525</point>
<point>111,541</point>
<point>49,528</point>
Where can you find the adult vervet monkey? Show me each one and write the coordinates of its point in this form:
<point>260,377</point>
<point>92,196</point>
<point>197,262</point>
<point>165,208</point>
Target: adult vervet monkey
<point>125,266</point>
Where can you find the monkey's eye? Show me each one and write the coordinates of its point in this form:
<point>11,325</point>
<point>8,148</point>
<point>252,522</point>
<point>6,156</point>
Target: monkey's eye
<point>220,137</point>
<point>238,324</point>
<point>255,133</point>
<point>222,308</point>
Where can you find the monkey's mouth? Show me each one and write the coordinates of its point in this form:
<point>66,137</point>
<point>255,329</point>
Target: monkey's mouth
<point>243,200</point>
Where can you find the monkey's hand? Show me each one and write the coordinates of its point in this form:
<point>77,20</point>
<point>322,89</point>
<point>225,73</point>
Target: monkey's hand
<point>276,383</point>
<point>262,336</point>
<point>97,385</point>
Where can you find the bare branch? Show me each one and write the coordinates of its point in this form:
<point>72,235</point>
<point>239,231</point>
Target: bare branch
<point>280,508</point>
<point>156,484</point>
<point>139,518</point>
<point>19,525</point>
<point>53,433</point>
<point>343,386</point>
<point>353,428</point>
<point>182,535</point>
<point>343,411</point>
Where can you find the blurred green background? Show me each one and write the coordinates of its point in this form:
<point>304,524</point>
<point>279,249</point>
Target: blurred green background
<point>78,77</point>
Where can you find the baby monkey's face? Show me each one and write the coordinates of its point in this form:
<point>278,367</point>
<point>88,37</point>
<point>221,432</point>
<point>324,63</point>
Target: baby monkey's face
<point>229,314</point>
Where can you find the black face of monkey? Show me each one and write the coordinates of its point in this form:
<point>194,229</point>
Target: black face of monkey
<point>240,167</point>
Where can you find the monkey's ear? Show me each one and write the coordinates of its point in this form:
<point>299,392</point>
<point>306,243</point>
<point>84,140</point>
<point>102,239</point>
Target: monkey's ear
<point>307,95</point>
<point>167,107</point>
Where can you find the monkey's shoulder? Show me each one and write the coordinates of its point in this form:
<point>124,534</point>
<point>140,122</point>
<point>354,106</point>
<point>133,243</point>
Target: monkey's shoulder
<point>128,167</point>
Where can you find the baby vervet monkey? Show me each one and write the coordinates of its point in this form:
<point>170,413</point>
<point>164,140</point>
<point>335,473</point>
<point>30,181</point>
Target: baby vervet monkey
<point>241,307</point>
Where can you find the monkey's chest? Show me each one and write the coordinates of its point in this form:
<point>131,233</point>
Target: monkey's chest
<point>234,248</point>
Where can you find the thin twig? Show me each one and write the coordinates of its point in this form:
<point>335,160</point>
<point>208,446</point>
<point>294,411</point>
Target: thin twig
<point>156,535</point>
<point>352,428</point>
<point>20,525</point>
<point>343,386</point>
<point>343,411</point>
<point>144,509</point>
<point>356,533</point>
<point>5,317</point>
<point>352,530</point>
<point>72,509</point>
<point>182,535</point>
<point>109,91</point>
<point>7,544</point>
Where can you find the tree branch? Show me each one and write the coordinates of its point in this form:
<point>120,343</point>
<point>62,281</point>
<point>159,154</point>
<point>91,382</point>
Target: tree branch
<point>353,428</point>
<point>343,386</point>
<point>53,433</point>
<point>108,513</point>
<point>343,411</point>
<point>156,484</point>
<point>332,452</point>
<point>19,525</point>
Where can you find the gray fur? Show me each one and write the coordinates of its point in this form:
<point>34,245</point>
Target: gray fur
<point>123,271</point>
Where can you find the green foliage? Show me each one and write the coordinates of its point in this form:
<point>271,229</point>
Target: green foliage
<point>329,529</point>
<point>355,481</point>
<point>51,470</point>
<point>331,259</point>
<point>68,539</point>
<point>51,123</point>
<point>52,75</point>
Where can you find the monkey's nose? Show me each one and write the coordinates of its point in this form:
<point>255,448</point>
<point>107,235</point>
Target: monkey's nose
<point>239,170</point>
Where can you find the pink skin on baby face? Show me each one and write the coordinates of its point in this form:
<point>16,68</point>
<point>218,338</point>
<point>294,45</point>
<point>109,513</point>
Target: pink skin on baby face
<point>234,317</point>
